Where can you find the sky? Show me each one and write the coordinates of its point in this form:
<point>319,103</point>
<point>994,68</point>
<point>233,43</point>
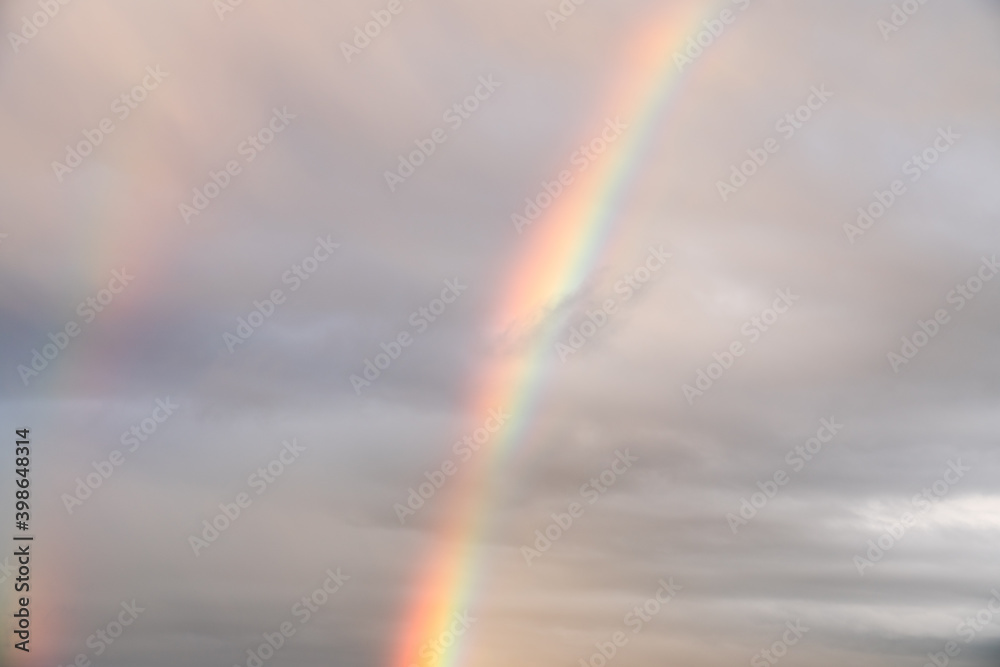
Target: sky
<point>538,333</point>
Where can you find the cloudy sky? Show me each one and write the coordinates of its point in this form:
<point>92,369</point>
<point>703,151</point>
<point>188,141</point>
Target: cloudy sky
<point>264,270</point>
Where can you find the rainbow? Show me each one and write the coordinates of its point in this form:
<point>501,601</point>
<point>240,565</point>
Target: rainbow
<point>562,249</point>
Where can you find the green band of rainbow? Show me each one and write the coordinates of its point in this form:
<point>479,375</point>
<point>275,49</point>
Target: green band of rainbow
<point>562,250</point>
